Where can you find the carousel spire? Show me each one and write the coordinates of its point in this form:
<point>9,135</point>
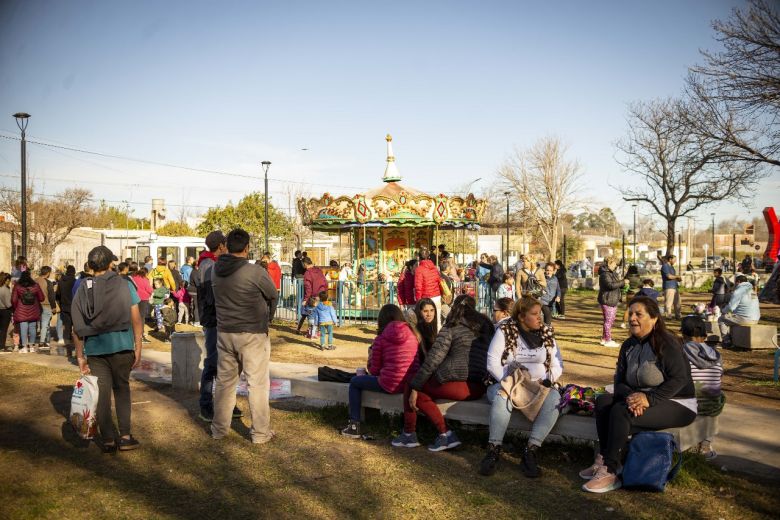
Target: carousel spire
<point>391,171</point>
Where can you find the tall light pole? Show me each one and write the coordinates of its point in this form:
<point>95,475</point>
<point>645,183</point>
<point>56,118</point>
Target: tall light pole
<point>634,255</point>
<point>266,165</point>
<point>506,193</point>
<point>21,122</point>
<point>713,239</point>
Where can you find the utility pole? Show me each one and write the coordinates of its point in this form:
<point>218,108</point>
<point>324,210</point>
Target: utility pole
<point>21,121</point>
<point>266,165</point>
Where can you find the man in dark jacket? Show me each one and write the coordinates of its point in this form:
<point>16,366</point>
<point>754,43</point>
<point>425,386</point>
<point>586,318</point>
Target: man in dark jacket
<point>314,282</point>
<point>245,299</point>
<point>297,265</point>
<point>201,278</point>
<point>64,297</point>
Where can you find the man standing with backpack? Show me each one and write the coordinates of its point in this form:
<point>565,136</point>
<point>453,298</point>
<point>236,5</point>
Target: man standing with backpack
<point>530,280</point>
<point>207,311</point>
<point>245,300</point>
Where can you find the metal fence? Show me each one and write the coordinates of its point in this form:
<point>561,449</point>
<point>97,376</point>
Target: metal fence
<point>359,302</point>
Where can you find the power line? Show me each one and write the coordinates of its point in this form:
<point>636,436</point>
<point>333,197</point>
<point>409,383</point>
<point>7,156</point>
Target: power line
<point>175,166</point>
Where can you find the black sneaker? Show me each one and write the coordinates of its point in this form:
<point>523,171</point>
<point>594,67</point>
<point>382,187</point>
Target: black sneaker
<point>528,464</point>
<point>145,339</point>
<point>207,414</point>
<point>489,464</point>
<point>237,412</point>
<point>352,430</point>
<point>128,444</point>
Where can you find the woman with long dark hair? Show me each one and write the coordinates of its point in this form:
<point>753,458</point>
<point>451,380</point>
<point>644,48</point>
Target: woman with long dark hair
<point>425,314</point>
<point>653,390</point>
<point>26,299</point>
<point>454,369</point>
<point>393,361</point>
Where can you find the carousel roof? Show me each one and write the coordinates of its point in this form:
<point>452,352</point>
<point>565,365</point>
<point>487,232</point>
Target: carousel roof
<point>391,204</point>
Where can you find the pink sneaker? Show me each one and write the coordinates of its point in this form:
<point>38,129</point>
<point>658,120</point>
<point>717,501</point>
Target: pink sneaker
<point>602,482</point>
<point>588,473</point>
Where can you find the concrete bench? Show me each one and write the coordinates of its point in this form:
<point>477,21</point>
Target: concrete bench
<point>569,427</point>
<point>754,337</point>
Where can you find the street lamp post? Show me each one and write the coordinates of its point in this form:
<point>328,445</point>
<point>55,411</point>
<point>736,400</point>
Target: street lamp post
<point>507,228</point>
<point>713,239</point>
<point>266,165</point>
<point>634,255</point>
<point>21,122</point>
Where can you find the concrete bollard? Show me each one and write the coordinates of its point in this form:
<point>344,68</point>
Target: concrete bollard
<point>188,349</point>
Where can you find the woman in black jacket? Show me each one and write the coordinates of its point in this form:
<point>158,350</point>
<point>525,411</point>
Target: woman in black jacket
<point>563,284</point>
<point>610,285</point>
<point>458,363</point>
<point>653,391</point>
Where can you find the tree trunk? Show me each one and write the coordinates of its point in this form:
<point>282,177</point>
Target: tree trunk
<point>670,234</point>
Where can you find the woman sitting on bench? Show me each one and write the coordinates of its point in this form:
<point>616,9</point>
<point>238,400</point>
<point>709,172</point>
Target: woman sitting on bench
<point>454,368</point>
<point>653,391</point>
<point>524,341</point>
<point>393,361</point>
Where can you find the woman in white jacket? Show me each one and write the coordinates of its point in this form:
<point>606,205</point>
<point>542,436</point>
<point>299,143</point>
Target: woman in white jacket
<point>525,341</point>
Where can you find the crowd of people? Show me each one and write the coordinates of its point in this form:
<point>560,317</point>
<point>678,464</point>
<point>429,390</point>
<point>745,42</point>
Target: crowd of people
<point>434,344</point>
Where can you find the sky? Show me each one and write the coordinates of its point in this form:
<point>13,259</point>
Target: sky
<point>314,87</point>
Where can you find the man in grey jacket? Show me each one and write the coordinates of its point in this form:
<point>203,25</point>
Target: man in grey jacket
<point>245,299</point>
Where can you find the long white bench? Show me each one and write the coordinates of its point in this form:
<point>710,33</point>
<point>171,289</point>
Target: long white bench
<point>568,427</point>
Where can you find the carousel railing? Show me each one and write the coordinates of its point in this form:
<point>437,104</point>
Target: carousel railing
<point>358,302</point>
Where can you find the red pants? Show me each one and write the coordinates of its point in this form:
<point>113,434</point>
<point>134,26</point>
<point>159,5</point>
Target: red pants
<point>454,391</point>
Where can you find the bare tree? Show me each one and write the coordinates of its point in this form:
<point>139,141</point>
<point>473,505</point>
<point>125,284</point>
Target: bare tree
<point>543,181</point>
<point>50,219</point>
<point>737,90</point>
<point>678,170</point>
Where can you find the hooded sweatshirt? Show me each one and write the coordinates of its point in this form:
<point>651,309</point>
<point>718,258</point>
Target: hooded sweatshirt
<point>706,372</point>
<point>201,279</point>
<point>102,304</point>
<point>244,295</point>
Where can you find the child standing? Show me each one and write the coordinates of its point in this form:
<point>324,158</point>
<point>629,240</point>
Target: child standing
<point>310,312</point>
<point>647,289</point>
<point>159,295</point>
<point>326,318</point>
<point>169,318</point>
<point>506,290</point>
<point>184,303</point>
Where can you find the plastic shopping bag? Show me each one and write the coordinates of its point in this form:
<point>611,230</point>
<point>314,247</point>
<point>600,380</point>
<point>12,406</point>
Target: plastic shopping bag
<point>83,406</point>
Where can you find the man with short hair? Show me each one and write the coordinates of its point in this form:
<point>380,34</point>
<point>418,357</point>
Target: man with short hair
<point>108,329</point>
<point>671,288</point>
<point>48,305</point>
<point>148,264</point>
<point>314,282</point>
<point>186,269</point>
<point>207,312</point>
<point>297,265</point>
<point>64,297</point>
<point>245,299</point>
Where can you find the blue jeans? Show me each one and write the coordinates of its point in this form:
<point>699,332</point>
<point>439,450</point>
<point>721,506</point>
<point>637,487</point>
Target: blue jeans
<point>326,329</point>
<point>356,386</point>
<point>501,413</point>
<point>46,315</point>
<point>27,332</point>
<point>209,367</point>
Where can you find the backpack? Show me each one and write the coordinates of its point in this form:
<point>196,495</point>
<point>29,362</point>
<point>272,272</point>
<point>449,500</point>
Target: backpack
<point>28,297</point>
<point>532,285</point>
<point>649,461</point>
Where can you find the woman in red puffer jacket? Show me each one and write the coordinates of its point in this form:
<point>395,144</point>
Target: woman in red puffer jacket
<point>26,300</point>
<point>392,362</point>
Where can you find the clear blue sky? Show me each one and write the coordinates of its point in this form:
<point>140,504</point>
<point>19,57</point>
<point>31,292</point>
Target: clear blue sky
<point>225,85</point>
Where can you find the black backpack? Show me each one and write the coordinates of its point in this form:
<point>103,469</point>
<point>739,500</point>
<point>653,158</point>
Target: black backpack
<point>28,297</point>
<point>532,285</point>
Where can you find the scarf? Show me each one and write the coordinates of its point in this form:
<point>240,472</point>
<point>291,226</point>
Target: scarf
<point>543,337</point>
<point>206,254</point>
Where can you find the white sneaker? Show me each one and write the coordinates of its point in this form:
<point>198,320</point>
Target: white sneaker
<point>611,344</point>
<point>623,325</point>
<point>602,342</point>
<point>24,350</point>
<point>60,341</point>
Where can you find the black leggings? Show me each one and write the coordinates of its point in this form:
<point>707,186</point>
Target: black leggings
<point>113,373</point>
<point>561,305</point>
<point>5,322</point>
<point>615,423</point>
<point>547,314</point>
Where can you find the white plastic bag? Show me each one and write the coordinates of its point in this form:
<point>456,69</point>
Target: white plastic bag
<point>83,407</point>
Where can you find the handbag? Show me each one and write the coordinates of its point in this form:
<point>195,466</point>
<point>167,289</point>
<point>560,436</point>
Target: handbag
<point>524,393</point>
<point>649,461</point>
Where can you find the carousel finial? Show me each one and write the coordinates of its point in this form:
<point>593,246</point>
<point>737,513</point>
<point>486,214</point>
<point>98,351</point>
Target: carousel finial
<point>391,171</point>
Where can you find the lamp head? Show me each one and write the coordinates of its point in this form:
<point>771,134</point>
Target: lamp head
<point>21,120</point>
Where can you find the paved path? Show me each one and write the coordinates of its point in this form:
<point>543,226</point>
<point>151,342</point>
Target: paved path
<point>749,438</point>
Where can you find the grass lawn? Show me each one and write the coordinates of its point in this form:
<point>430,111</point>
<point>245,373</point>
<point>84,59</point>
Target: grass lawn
<point>309,470</point>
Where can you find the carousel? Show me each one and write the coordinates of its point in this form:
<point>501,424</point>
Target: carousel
<point>386,225</point>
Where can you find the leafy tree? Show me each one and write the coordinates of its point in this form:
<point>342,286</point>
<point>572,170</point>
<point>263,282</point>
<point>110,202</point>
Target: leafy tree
<point>177,229</point>
<point>249,215</point>
<point>105,216</point>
